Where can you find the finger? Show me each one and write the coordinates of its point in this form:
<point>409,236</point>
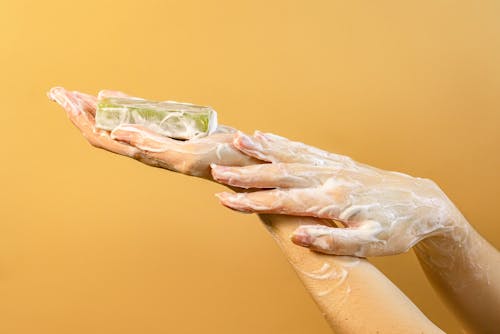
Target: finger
<point>80,109</point>
<point>89,102</point>
<point>310,151</point>
<point>77,109</point>
<point>274,148</point>
<point>277,175</point>
<point>166,152</point>
<point>144,138</point>
<point>295,201</point>
<point>224,129</point>
<point>360,241</point>
<point>111,93</point>
<point>192,157</point>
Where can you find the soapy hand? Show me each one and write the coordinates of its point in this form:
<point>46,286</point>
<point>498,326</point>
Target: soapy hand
<point>383,212</point>
<point>192,157</point>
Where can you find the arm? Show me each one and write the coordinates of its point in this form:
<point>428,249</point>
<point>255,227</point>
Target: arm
<point>383,213</point>
<point>354,296</point>
<point>465,270</point>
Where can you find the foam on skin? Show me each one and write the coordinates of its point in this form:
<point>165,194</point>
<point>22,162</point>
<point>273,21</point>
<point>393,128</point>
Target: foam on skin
<point>347,301</point>
<point>384,212</point>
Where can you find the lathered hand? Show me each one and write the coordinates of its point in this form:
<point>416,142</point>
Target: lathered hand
<point>192,157</point>
<point>383,212</point>
<point>328,279</point>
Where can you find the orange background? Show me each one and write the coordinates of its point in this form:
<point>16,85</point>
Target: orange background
<point>95,243</point>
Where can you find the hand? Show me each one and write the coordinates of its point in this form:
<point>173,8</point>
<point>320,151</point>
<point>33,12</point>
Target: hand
<point>192,157</point>
<point>384,212</point>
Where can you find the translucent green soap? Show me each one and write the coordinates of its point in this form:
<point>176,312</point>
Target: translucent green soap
<point>172,119</point>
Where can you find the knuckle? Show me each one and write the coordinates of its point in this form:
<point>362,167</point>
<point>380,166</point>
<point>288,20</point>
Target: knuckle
<point>93,141</point>
<point>428,182</point>
<point>194,167</point>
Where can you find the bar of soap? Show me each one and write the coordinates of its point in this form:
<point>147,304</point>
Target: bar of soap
<point>168,118</point>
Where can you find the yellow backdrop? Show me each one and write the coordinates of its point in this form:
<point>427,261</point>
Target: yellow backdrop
<point>95,243</point>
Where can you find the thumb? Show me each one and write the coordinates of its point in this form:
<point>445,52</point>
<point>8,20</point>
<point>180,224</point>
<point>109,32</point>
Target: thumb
<point>360,241</point>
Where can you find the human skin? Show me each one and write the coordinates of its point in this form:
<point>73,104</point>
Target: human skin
<point>351,293</point>
<point>383,212</point>
<point>468,281</point>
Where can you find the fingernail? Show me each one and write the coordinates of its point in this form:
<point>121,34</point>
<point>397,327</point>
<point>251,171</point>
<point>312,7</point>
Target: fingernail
<point>227,197</point>
<point>223,196</point>
<point>65,100</point>
<point>126,131</point>
<point>260,138</point>
<point>229,200</point>
<point>218,167</point>
<point>301,238</point>
<point>306,235</point>
<point>120,134</point>
<point>259,134</point>
<point>272,137</point>
<point>56,94</point>
<point>245,141</point>
<point>53,91</point>
<point>102,94</point>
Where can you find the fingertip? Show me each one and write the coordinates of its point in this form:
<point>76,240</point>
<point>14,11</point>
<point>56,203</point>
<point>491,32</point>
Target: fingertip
<point>241,140</point>
<point>257,134</point>
<point>223,196</point>
<point>217,171</point>
<point>230,200</point>
<point>65,99</point>
<point>315,237</point>
<point>54,93</point>
<point>301,238</point>
<point>86,102</point>
<point>128,133</point>
<point>265,136</point>
<point>217,167</point>
<point>224,129</point>
<point>121,134</point>
<point>271,137</point>
<point>104,93</point>
<point>214,170</point>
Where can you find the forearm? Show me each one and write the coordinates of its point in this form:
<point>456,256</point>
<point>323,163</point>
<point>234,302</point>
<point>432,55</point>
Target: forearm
<point>368,297</point>
<point>352,294</point>
<point>465,270</point>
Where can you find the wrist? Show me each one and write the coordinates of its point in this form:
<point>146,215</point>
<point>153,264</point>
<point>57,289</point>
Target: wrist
<point>455,234</point>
